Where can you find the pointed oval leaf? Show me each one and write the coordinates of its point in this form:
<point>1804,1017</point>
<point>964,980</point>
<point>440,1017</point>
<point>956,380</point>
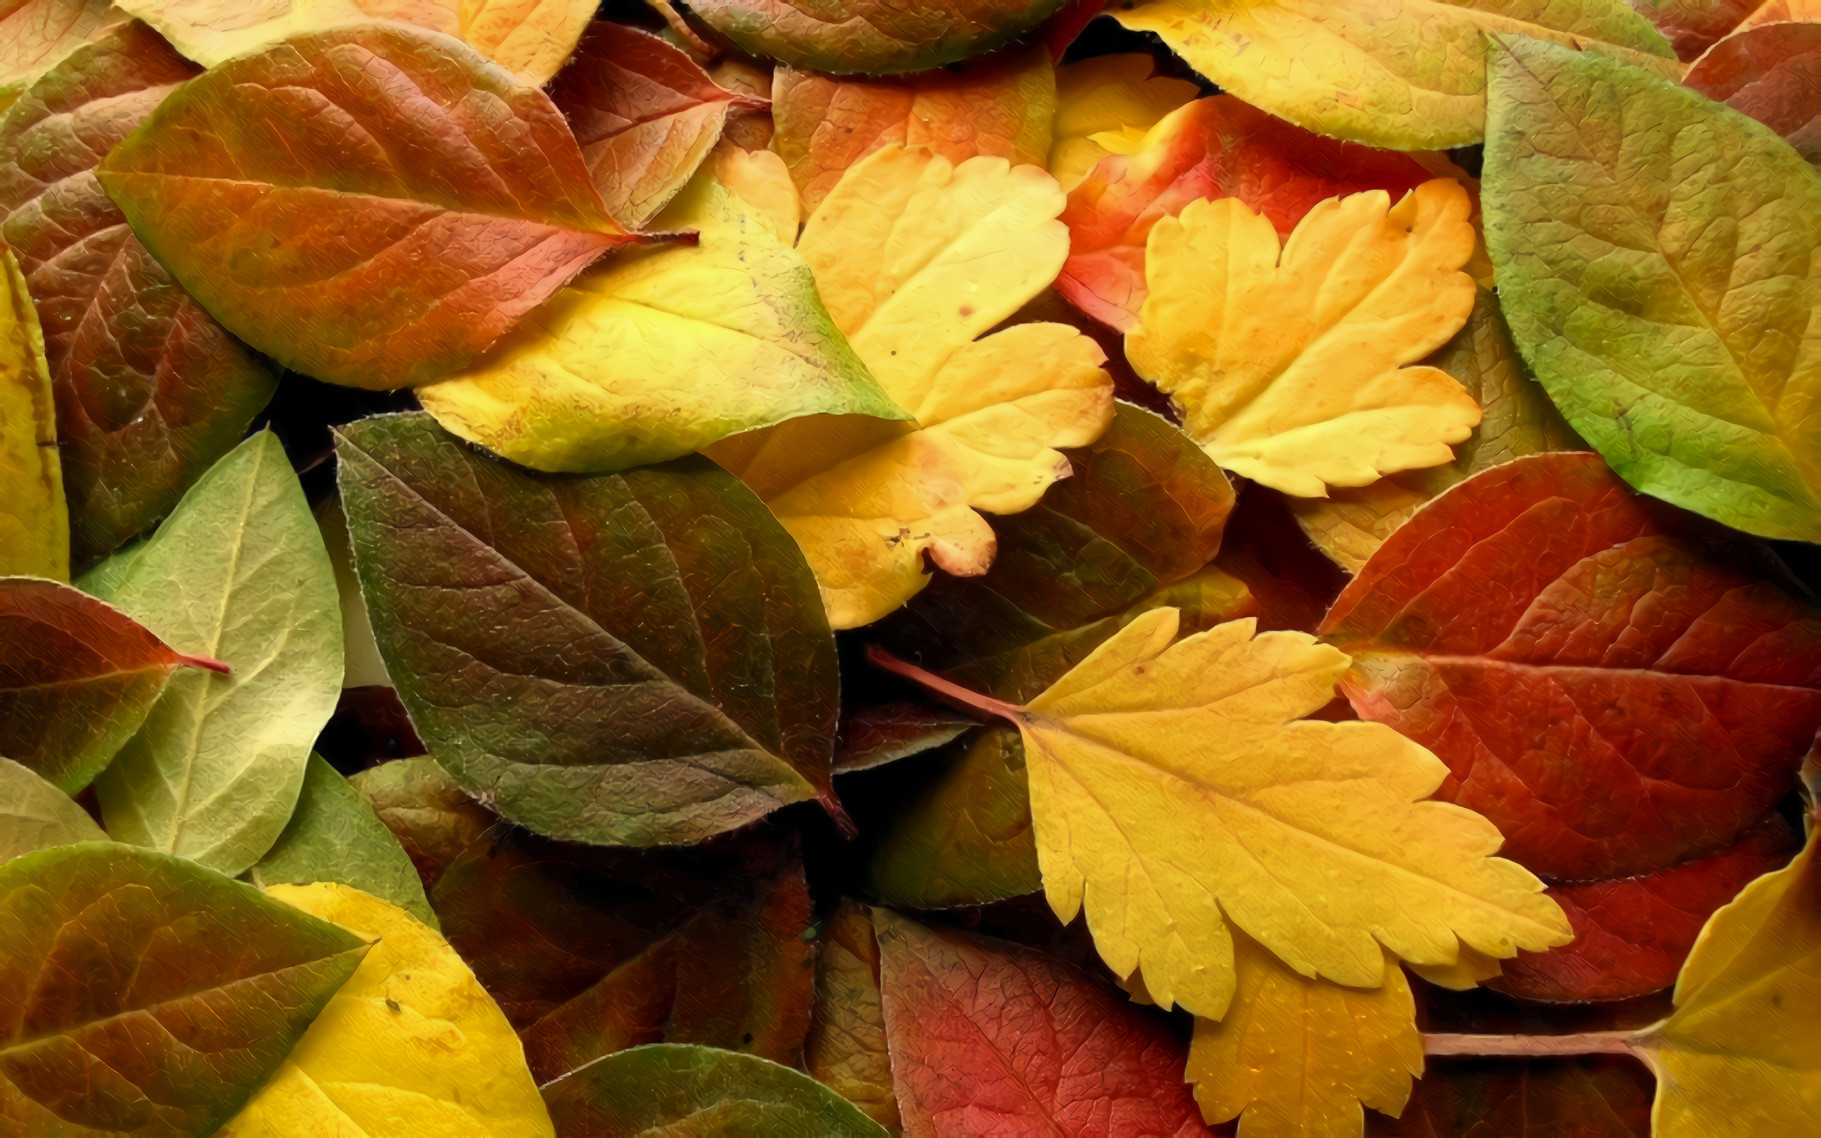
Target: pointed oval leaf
<point>238,572</point>
<point>35,35</point>
<point>634,659</point>
<point>34,517</point>
<point>1604,687</point>
<point>262,187</point>
<point>846,1048</point>
<point>872,36</point>
<point>149,994</point>
<point>35,815</point>
<point>426,811</point>
<point>151,391</point>
<point>1663,305</point>
<point>1769,72</point>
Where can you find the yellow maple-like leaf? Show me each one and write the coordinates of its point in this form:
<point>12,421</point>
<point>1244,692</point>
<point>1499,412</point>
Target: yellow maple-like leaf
<point>1173,788</point>
<point>1105,105</point>
<point>411,1046</point>
<point>915,257</point>
<point>1741,1055</point>
<point>1295,1057</point>
<point>34,519</point>
<point>1291,370</point>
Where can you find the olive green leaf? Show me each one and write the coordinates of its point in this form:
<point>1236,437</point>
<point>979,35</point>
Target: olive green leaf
<point>35,815</point>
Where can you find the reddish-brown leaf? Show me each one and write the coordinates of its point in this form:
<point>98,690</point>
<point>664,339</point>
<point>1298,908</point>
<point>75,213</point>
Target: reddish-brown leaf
<point>1771,72</point>
<point>1292,581</point>
<point>1217,147</point>
<point>1594,1097</point>
<point>883,733</point>
<point>1692,26</point>
<point>846,1048</point>
<point>1603,686</point>
<point>991,1038</point>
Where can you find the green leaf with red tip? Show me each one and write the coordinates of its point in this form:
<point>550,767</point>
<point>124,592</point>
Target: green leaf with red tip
<point>875,37</point>
<point>1771,72</point>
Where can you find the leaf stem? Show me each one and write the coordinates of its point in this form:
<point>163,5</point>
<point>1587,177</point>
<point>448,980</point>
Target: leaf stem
<point>947,689</point>
<point>1532,1046</point>
<point>198,660</point>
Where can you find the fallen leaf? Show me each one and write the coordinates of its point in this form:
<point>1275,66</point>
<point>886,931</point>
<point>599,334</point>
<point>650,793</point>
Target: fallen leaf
<point>335,836</point>
<point>999,105</point>
<point>1407,77</point>
<point>77,678</point>
<point>872,36</point>
<point>1292,582</point>
<point>1769,72</point>
<point>1217,147</point>
<point>846,1049</point>
<point>873,736</point>
<point>665,351</point>
<point>658,673</point>
<point>645,115</point>
<point>35,35</point>
<point>34,519</point>
<point>1293,373</point>
<point>676,1090</point>
<point>361,664</point>
<point>1299,1057</point>
<point>150,390</point>
<point>1602,685</point>
<point>120,1020</point>
<point>237,572</point>
<point>409,1046</point>
<point>991,1038</point>
<point>1106,104</point>
<point>1596,1096</point>
<point>252,186</point>
<point>35,815</point>
<point>428,814</point>
<point>1662,305</point>
<point>915,257</point>
<point>1516,418</point>
<point>1693,26</point>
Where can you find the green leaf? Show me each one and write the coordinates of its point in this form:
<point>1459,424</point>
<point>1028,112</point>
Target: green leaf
<point>147,994</point>
<point>632,659</point>
<point>237,572</point>
<point>34,520</point>
<point>1657,258</point>
<point>334,835</point>
<point>35,815</point>
<point>673,1090</point>
<point>429,815</point>
<point>877,37</point>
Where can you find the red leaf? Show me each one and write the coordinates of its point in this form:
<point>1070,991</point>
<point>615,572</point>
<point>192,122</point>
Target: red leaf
<point>1692,26</point>
<point>1608,692</point>
<point>1772,73</point>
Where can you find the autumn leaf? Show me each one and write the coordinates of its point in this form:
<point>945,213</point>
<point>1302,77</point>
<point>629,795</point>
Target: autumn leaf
<point>1616,261</point>
<point>846,1048</point>
<point>1768,72</point>
<point>1299,1056</point>
<point>1402,76</point>
<point>872,36</point>
<point>35,35</point>
<point>915,257</point>
<point>1596,1096</point>
<point>77,678</point>
<point>147,993</point>
<point>237,572</point>
<point>1000,106</point>
<point>588,688</point>
<point>884,733</point>
<point>680,1089</point>
<point>35,815</point>
<point>1693,26</point>
<point>665,351</point>
<point>150,390</point>
<point>410,1045</point>
<point>1496,628</point>
<point>1107,104</point>
<point>1292,373</point>
<point>1217,147</point>
<point>288,234</point>
<point>972,1054</point>
<point>425,810</point>
<point>34,519</point>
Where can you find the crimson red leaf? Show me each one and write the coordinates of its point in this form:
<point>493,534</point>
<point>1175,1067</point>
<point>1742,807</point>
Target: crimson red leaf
<point>1603,686</point>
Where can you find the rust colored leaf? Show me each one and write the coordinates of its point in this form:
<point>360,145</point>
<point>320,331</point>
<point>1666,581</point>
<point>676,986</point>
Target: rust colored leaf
<point>1217,147</point>
<point>428,814</point>
<point>1693,26</point>
<point>1594,1097</point>
<point>876,37</point>
<point>846,1047</point>
<point>36,34</point>
<point>873,736</point>
<point>1602,684</point>
<point>1771,72</point>
<point>990,1038</point>
<point>266,189</point>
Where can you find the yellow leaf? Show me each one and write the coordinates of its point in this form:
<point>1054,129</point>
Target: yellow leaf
<point>1470,971</point>
<point>1296,1057</point>
<point>1105,105</point>
<point>1173,788</point>
<point>1741,1055</point>
<point>915,257</point>
<point>665,350</point>
<point>34,521</point>
<point>411,1046</point>
<point>1291,372</point>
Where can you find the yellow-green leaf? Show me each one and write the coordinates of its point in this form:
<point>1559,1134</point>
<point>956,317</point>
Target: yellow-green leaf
<point>34,521</point>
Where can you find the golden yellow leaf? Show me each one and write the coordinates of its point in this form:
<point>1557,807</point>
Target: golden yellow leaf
<point>1470,971</point>
<point>1105,105</point>
<point>34,520</point>
<point>1290,370</point>
<point>1741,1055</point>
<point>1296,1057</point>
<point>411,1046</point>
<point>915,257</point>
<point>1173,788</point>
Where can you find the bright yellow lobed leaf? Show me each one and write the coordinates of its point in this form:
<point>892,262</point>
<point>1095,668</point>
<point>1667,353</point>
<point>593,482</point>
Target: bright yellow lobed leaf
<point>1173,788</point>
<point>411,1046</point>
<point>915,257</point>
<point>34,519</point>
<point>1741,1055</point>
<point>1105,105</point>
<point>1291,369</point>
<point>1296,1057</point>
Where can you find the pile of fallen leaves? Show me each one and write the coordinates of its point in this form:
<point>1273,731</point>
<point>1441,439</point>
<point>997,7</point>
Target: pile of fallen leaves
<point>833,567</point>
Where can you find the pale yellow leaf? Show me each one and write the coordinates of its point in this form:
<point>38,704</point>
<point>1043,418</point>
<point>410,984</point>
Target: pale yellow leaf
<point>34,519</point>
<point>1289,364</point>
<point>1105,105</point>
